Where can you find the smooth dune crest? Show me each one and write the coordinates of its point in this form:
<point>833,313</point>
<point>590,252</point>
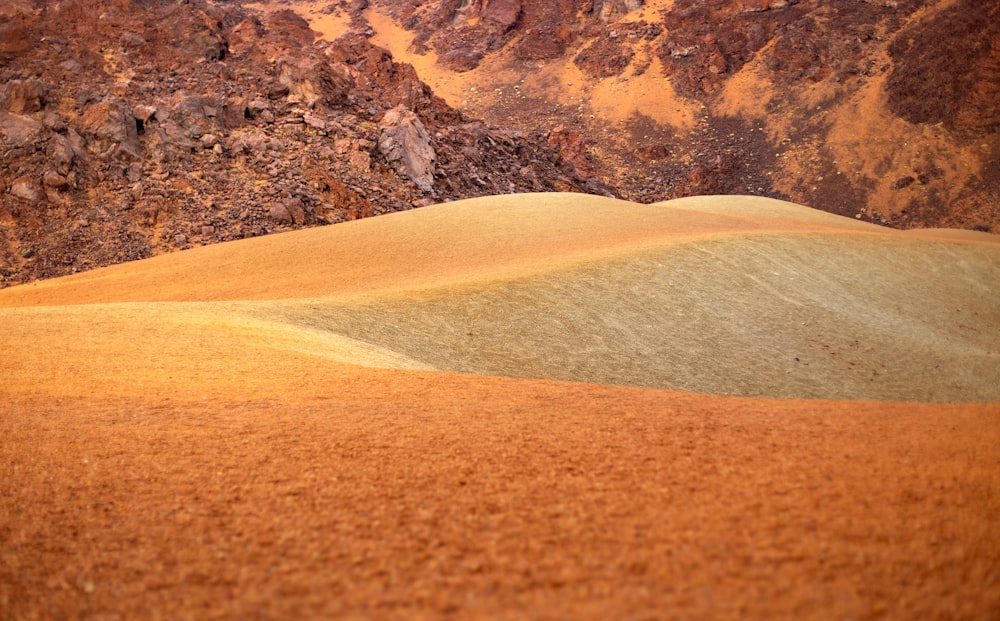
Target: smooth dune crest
<point>738,296</point>
<point>475,239</point>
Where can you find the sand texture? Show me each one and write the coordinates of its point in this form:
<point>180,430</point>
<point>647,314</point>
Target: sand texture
<point>548,406</point>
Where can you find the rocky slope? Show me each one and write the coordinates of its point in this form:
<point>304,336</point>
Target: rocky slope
<point>134,127</point>
<point>886,110</point>
<point>130,128</point>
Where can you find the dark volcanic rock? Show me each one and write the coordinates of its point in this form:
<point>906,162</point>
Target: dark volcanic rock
<point>461,59</point>
<point>933,82</point>
<point>111,131</point>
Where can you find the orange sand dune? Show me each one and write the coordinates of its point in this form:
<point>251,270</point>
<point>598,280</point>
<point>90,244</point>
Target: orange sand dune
<point>262,451</point>
<point>739,296</point>
<point>476,239</point>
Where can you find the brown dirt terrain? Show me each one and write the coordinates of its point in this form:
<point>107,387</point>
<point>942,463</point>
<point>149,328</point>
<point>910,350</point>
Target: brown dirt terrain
<point>177,443</point>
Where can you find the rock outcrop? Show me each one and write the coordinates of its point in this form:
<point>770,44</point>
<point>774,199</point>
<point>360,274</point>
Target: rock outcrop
<point>404,142</point>
<point>22,96</point>
<point>111,131</point>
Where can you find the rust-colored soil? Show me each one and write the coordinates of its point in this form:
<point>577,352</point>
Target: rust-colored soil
<point>215,459</point>
<point>311,491</point>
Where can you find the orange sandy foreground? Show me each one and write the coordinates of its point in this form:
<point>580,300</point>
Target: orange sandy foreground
<point>285,427</point>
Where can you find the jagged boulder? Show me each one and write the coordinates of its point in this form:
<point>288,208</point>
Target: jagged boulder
<point>405,143</point>
<point>168,142</point>
<point>61,154</point>
<point>572,147</point>
<point>111,131</point>
<point>248,143</point>
<point>54,180</point>
<point>26,189</point>
<point>503,13</point>
<point>302,79</point>
<point>195,37</point>
<point>461,59</point>
<point>288,211</point>
<point>289,28</point>
<point>22,96</point>
<point>19,131</point>
<point>245,36</point>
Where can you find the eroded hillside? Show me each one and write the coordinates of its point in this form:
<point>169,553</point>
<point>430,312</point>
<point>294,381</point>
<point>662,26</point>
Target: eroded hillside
<point>883,110</point>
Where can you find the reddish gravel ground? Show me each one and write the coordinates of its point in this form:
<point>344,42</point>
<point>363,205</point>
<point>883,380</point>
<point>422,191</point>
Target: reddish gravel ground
<point>389,494</point>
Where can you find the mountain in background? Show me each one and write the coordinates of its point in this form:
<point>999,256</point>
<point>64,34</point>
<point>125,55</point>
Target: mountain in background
<point>885,110</point>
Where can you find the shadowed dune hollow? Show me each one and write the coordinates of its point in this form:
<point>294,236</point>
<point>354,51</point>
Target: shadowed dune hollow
<point>803,316</point>
<point>372,420</point>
